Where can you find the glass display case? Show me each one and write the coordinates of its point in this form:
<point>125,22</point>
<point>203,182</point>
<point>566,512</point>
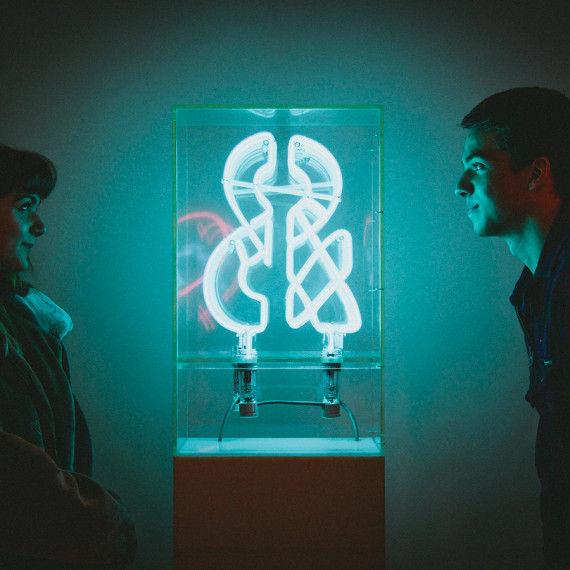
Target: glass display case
<point>278,281</point>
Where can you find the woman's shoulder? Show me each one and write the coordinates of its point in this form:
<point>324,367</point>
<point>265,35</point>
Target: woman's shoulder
<point>49,316</point>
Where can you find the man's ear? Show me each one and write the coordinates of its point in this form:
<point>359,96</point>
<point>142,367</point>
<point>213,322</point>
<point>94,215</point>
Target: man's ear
<point>539,172</point>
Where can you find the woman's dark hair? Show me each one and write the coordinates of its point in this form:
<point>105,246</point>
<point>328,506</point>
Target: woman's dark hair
<point>26,172</point>
<point>529,122</point>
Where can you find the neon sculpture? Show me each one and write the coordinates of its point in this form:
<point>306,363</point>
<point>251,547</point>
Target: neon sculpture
<point>259,148</point>
<point>314,176</point>
<point>304,221</point>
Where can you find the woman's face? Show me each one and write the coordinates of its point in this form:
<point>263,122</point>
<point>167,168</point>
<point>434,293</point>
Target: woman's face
<point>20,226</point>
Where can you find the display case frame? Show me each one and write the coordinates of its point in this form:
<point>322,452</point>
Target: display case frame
<point>222,371</point>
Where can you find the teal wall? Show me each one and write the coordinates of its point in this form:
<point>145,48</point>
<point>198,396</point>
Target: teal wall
<point>92,84</point>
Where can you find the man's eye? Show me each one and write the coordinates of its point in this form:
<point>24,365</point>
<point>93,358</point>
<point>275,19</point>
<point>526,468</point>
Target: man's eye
<point>477,166</point>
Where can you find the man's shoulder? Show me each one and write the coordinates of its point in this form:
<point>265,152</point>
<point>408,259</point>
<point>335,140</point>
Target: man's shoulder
<point>559,247</point>
<point>562,262</point>
<point>560,287</point>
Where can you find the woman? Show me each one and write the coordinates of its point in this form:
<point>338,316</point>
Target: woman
<point>52,514</point>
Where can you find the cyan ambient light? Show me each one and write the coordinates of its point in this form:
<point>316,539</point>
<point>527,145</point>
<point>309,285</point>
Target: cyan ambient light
<point>278,278</point>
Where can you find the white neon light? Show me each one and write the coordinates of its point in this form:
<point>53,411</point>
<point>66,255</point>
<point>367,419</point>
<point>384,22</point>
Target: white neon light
<point>259,149</point>
<point>315,178</point>
<point>304,221</point>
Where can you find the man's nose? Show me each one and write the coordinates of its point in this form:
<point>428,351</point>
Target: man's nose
<point>464,187</point>
<point>37,228</point>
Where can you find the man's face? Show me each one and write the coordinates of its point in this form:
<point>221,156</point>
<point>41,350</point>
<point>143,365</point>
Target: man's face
<point>495,197</point>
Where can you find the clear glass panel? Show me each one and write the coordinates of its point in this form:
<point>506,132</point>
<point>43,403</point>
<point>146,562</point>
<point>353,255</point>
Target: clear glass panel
<point>279,291</point>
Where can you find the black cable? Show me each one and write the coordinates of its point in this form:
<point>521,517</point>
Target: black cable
<point>294,403</point>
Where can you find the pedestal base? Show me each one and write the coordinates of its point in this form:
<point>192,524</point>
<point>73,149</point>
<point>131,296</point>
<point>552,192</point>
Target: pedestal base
<point>279,512</point>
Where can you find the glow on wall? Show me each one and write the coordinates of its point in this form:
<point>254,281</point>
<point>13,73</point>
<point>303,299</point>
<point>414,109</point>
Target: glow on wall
<point>278,215</point>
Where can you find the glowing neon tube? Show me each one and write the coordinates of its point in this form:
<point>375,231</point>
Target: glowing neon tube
<point>316,178</point>
<point>304,221</point>
<point>259,152</point>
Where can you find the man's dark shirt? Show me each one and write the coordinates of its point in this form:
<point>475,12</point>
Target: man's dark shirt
<point>542,303</point>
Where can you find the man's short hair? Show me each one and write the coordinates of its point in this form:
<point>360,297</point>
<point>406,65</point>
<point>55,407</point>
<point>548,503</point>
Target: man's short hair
<point>529,122</point>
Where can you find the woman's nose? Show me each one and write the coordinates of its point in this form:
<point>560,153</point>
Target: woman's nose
<point>37,228</point>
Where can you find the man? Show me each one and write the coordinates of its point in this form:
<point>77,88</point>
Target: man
<point>516,185</point>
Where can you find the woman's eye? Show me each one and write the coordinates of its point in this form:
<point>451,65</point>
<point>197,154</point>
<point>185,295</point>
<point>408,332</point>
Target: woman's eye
<point>28,204</point>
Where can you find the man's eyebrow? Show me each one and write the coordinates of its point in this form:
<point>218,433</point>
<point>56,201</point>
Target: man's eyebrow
<point>475,154</point>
